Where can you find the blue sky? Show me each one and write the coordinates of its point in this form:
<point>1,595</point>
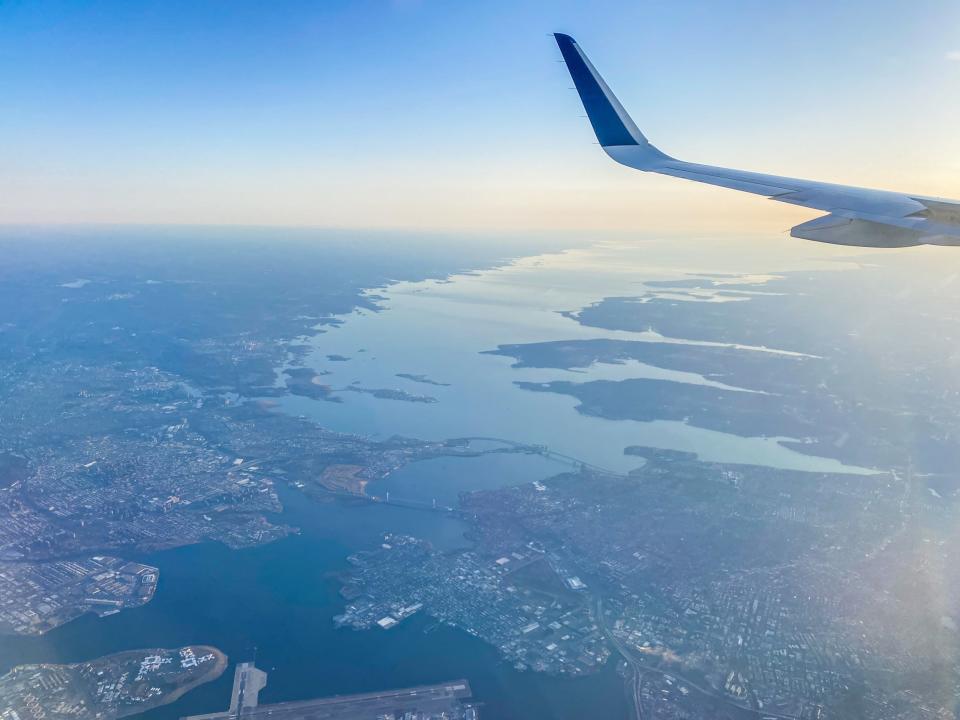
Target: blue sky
<point>456,115</point>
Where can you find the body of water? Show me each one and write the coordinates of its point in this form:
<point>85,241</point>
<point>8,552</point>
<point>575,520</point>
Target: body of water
<point>441,330</point>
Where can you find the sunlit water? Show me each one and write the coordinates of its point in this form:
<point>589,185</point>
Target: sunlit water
<point>441,330</point>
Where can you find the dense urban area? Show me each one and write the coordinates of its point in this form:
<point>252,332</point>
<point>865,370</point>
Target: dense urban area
<point>732,582</point>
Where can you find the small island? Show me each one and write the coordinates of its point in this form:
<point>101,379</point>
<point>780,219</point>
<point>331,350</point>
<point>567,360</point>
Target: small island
<point>392,394</point>
<point>110,687</point>
<point>423,379</point>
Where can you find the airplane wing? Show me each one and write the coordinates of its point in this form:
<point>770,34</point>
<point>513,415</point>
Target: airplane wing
<point>857,216</point>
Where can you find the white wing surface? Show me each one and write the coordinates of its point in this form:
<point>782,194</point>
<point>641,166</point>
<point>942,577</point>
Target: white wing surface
<point>857,216</point>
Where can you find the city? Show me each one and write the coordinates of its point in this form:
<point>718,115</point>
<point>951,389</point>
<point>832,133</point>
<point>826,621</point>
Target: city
<point>568,574</point>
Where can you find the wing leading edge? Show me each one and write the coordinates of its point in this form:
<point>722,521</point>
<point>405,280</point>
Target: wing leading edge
<point>857,216</point>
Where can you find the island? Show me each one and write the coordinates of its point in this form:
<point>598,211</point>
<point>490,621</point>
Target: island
<point>423,379</point>
<point>110,687</point>
<point>391,394</point>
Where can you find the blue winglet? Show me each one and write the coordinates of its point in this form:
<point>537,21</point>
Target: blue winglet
<point>610,121</point>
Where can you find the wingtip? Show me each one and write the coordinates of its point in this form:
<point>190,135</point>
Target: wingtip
<point>610,121</point>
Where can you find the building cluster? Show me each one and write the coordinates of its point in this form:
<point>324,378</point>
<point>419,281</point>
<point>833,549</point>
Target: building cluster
<point>37,597</point>
<point>514,602</point>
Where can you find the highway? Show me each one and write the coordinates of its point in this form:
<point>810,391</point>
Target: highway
<point>640,670</point>
<point>636,678</point>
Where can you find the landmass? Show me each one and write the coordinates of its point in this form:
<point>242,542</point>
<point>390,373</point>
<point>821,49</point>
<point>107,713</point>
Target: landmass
<point>824,388</point>
<point>37,597</point>
<point>513,601</point>
<point>391,394</point>
<point>145,474</point>
<point>111,687</point>
<point>344,478</point>
<point>873,383</point>
<point>444,701</point>
<point>307,382</point>
<point>750,588</point>
<point>421,379</point>
<point>646,400</point>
